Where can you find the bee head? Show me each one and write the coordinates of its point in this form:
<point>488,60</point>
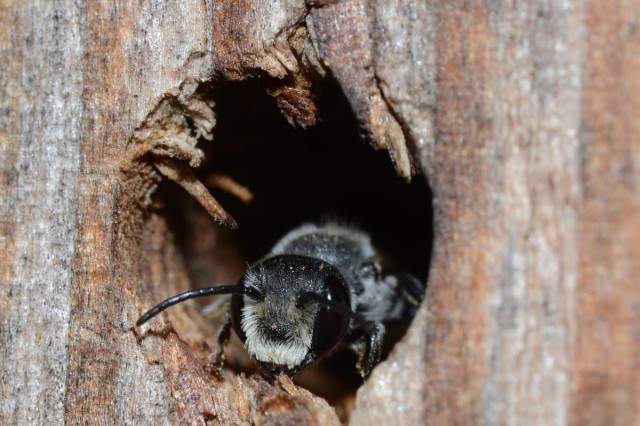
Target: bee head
<point>295,310</point>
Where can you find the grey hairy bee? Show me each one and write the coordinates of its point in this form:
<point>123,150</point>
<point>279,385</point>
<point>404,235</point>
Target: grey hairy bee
<point>321,287</point>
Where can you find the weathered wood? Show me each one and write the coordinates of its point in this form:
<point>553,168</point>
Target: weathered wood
<point>41,83</point>
<point>78,79</point>
<point>517,129</point>
<point>522,116</point>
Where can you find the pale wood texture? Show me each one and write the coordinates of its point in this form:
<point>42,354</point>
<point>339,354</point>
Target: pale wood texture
<point>78,79</point>
<point>523,116</point>
<point>533,313</point>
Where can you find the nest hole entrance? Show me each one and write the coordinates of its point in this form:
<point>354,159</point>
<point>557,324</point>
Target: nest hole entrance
<point>326,171</point>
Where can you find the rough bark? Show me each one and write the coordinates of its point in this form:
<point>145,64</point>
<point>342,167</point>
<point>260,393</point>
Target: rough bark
<point>522,116</point>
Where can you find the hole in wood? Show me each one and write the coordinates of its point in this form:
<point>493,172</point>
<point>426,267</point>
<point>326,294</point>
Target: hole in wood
<point>294,176</point>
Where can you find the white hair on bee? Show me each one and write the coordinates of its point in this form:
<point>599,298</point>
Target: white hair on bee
<point>289,352</point>
<point>252,275</point>
<point>378,301</point>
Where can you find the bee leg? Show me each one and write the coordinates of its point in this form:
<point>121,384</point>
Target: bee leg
<point>372,350</point>
<point>224,333</point>
<point>412,289</point>
<point>411,292</point>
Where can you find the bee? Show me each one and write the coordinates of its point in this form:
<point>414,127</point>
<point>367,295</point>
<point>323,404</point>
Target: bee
<point>321,287</point>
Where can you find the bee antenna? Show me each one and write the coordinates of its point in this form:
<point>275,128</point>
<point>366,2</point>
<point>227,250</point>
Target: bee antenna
<point>252,292</point>
<point>336,307</point>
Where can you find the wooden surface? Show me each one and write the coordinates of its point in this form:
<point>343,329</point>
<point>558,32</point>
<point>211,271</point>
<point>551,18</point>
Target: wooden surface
<point>522,116</point>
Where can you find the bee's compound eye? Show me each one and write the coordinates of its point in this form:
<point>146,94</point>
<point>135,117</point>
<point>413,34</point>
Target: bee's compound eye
<point>331,326</point>
<point>237,305</point>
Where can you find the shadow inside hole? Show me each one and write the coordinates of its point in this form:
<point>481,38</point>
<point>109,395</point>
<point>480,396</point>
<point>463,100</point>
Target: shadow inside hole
<point>296,176</point>
<point>301,175</point>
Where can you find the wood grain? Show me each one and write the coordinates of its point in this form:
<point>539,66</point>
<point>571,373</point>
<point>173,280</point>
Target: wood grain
<point>522,116</point>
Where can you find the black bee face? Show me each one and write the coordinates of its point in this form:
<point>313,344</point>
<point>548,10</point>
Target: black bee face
<point>296,318</point>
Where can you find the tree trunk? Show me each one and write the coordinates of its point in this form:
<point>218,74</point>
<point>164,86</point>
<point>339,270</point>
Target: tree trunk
<point>521,116</point>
